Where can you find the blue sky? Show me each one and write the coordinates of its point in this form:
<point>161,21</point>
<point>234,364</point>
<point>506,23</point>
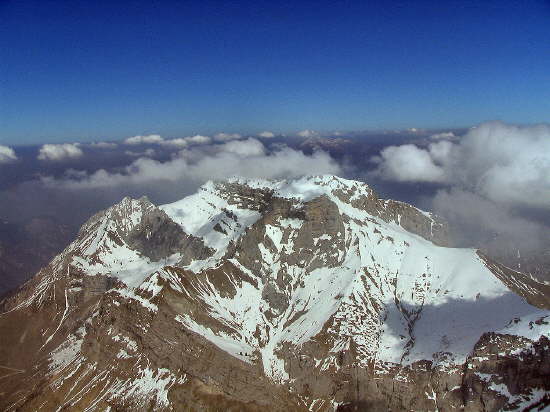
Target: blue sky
<point>102,70</point>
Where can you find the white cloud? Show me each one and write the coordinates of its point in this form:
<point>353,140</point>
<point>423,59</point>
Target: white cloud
<point>441,152</point>
<point>149,139</point>
<point>7,154</point>
<point>223,137</point>
<point>504,163</point>
<point>245,148</point>
<point>57,152</point>
<point>266,134</point>
<point>408,163</point>
<point>198,139</point>
<point>246,158</point>
<point>308,133</point>
<point>179,142</point>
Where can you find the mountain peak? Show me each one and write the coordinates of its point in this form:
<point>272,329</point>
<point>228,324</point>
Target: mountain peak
<point>304,188</point>
<point>274,294</point>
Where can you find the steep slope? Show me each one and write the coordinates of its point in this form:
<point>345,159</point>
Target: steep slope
<point>312,294</point>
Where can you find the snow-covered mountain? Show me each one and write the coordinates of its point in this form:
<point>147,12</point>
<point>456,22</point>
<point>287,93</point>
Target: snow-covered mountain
<point>311,294</point>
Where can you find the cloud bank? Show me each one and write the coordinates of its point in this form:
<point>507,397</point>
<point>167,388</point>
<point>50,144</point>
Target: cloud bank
<point>155,139</point>
<point>492,186</point>
<point>149,139</point>
<point>504,163</point>
<point>248,158</point>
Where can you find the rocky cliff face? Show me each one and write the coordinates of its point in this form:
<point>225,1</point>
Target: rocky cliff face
<point>312,294</point>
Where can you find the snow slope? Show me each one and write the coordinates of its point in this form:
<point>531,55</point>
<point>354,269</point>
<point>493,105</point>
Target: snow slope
<point>325,267</point>
<point>418,299</point>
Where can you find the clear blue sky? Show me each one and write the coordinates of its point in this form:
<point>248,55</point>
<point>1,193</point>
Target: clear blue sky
<point>88,70</point>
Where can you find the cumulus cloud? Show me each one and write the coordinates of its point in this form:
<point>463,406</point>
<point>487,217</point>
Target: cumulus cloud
<point>57,152</point>
<point>266,134</point>
<point>149,139</point>
<point>308,133</point>
<point>222,137</point>
<point>504,163</point>
<point>7,154</point>
<point>248,158</point>
<point>409,163</point>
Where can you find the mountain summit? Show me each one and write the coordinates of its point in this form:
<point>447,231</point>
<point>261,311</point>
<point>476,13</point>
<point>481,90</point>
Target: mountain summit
<point>311,294</point>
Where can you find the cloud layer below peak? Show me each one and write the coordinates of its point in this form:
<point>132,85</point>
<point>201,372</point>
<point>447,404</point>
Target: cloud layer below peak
<point>248,158</point>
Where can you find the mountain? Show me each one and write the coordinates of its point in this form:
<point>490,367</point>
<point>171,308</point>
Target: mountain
<point>311,294</point>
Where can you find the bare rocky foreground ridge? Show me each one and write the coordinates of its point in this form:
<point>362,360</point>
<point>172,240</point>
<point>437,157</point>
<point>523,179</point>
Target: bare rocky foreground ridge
<point>251,295</point>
